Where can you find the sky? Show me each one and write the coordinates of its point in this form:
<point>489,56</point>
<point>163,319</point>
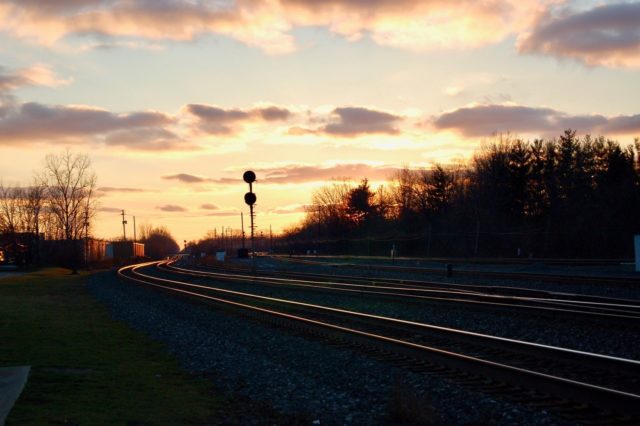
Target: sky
<point>174,100</point>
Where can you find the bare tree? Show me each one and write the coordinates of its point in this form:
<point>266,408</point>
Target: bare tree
<point>145,229</point>
<point>403,186</point>
<point>329,207</point>
<point>20,208</point>
<point>8,209</point>
<point>33,204</point>
<point>70,189</point>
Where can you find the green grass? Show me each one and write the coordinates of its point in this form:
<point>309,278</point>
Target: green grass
<point>86,367</point>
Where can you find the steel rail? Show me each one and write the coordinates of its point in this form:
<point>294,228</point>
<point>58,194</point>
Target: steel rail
<point>626,363</point>
<point>488,291</point>
<point>614,280</point>
<point>513,302</point>
<point>483,288</point>
<point>471,288</point>
<point>599,396</point>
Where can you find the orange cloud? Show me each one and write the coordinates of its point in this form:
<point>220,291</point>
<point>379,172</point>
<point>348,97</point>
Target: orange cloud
<point>109,210</point>
<point>186,178</point>
<point>298,173</point>
<point>172,208</point>
<point>268,24</point>
<point>47,23</point>
<point>209,206</point>
<point>109,189</point>
<point>291,209</point>
<point>36,75</point>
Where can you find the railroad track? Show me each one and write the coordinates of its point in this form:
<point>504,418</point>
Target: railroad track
<point>623,312</point>
<point>580,386</point>
<point>559,278</point>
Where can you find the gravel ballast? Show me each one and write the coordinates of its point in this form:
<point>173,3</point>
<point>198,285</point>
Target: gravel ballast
<point>303,380</point>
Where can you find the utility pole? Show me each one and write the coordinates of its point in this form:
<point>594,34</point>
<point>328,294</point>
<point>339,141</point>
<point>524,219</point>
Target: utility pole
<point>134,229</point>
<point>475,250</point>
<point>124,229</point>
<point>86,238</point>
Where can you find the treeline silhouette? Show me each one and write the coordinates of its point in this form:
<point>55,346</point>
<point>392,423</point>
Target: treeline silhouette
<point>158,241</point>
<point>60,204</point>
<point>564,197</point>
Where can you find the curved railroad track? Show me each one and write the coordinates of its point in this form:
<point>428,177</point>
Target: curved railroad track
<point>623,312</point>
<point>531,276</point>
<point>578,385</point>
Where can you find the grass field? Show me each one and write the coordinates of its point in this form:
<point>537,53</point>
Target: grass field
<point>86,367</point>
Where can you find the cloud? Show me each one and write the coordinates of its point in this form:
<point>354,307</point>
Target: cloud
<point>419,24</point>
<point>171,208</point>
<point>269,24</point>
<point>291,209</point>
<point>33,122</point>
<point>296,174</point>
<point>109,189</point>
<point>485,120</point>
<point>356,121</point>
<point>607,35</point>
<point>8,103</point>
<point>36,75</point>
<point>208,206</point>
<point>352,122</point>
<point>186,178</point>
<point>113,45</point>
<point>272,113</point>
<point>149,139</point>
<point>300,131</point>
<point>453,91</point>
<point>623,124</point>
<point>250,22</point>
<point>215,120</point>
<point>302,173</point>
<point>109,210</point>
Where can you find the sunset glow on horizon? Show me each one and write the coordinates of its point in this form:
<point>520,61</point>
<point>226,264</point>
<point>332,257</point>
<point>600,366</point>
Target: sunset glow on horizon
<point>174,100</point>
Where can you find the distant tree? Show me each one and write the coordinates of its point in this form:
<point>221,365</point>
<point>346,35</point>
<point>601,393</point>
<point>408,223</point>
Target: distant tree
<point>159,243</point>
<point>384,203</point>
<point>437,189</point>
<point>360,207</point>
<point>571,196</point>
<point>34,202</point>
<point>404,198</point>
<point>327,215</point>
<point>70,187</point>
<point>144,230</point>
<point>10,200</point>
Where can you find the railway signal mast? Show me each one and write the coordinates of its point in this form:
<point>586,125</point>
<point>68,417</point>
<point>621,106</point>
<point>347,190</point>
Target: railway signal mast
<point>250,198</point>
